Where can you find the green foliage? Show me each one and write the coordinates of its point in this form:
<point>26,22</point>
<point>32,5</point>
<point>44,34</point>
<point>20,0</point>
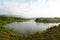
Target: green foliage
<point>52,33</point>
<point>4,20</point>
<point>48,20</point>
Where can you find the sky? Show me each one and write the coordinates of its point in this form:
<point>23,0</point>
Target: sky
<point>30,8</point>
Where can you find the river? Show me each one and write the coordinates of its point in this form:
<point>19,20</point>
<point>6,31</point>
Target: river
<point>29,27</point>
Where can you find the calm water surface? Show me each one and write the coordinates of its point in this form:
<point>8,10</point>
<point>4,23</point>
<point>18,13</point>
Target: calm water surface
<point>29,27</point>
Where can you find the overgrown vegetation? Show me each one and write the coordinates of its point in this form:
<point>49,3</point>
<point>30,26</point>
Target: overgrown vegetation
<point>5,20</point>
<point>48,20</point>
<point>52,33</point>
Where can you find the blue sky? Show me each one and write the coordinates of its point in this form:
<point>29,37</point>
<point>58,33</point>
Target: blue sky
<point>30,8</point>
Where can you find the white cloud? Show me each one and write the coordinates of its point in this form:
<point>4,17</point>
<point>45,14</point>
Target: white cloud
<point>46,9</point>
<point>15,8</point>
<point>40,8</point>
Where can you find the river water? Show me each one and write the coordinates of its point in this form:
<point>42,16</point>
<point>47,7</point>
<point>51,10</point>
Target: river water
<point>29,27</point>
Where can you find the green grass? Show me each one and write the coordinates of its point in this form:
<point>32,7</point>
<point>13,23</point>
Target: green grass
<point>4,20</point>
<point>52,33</point>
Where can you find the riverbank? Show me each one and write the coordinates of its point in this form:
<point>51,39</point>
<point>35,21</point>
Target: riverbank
<point>52,33</point>
<point>48,20</point>
<point>5,19</point>
<point>6,33</point>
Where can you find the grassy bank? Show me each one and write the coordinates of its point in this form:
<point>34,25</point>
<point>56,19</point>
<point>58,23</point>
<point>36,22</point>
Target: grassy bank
<point>4,20</point>
<point>49,34</point>
<point>52,33</point>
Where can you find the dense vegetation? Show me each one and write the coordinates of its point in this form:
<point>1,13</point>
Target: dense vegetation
<point>52,33</point>
<point>4,20</point>
<point>48,20</point>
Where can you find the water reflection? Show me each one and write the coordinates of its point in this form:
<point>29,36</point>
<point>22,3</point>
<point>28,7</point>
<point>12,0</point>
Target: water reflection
<point>29,27</point>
